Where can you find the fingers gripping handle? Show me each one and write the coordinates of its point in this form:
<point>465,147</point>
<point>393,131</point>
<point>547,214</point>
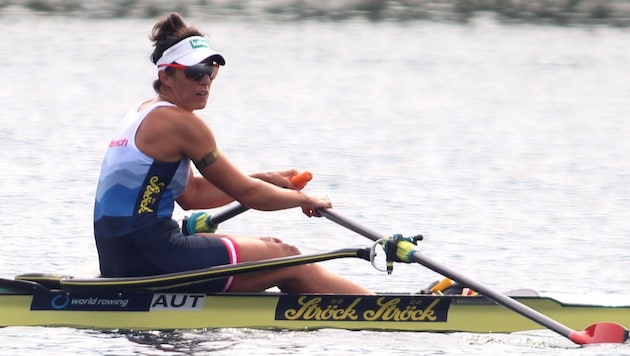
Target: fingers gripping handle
<point>299,180</point>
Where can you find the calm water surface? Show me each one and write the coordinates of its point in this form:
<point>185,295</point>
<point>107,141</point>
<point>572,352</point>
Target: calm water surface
<point>506,146</point>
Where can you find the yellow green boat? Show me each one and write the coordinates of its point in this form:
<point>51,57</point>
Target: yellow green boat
<point>174,301</point>
<point>163,302</point>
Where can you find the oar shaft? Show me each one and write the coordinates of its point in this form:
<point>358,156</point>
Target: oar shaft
<point>500,298</point>
<point>447,272</point>
<point>227,214</point>
<point>347,223</point>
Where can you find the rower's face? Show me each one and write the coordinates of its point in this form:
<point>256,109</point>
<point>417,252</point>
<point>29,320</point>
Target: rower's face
<point>189,89</point>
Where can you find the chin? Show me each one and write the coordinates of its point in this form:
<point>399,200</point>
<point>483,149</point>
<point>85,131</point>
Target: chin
<point>201,104</point>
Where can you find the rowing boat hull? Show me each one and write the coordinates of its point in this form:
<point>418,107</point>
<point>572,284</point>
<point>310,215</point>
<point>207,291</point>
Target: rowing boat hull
<point>400,312</point>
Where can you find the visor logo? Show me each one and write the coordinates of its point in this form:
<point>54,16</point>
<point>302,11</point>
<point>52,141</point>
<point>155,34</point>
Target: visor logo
<point>199,43</point>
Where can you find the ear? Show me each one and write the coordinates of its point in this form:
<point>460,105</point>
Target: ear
<point>167,80</point>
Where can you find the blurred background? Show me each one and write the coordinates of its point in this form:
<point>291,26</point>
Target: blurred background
<point>563,12</point>
<point>498,129</point>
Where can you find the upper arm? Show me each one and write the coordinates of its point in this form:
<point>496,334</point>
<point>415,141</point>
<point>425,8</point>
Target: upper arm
<point>170,134</point>
<point>173,134</point>
<point>197,141</point>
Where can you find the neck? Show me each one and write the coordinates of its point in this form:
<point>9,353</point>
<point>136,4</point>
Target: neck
<point>165,97</point>
<point>174,100</point>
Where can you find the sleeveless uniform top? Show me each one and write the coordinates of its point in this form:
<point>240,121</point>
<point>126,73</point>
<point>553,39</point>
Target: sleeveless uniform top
<point>134,190</point>
<point>133,225</point>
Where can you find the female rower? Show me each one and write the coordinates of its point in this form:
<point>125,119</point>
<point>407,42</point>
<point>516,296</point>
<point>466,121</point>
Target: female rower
<point>147,168</point>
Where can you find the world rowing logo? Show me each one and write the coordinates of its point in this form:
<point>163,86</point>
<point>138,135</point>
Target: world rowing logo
<point>91,302</point>
<point>60,301</point>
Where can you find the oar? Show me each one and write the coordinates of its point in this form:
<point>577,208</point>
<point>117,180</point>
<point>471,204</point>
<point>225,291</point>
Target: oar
<point>299,180</point>
<point>181,279</point>
<point>601,332</point>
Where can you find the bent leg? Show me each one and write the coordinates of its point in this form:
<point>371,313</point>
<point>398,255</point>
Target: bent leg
<point>309,278</point>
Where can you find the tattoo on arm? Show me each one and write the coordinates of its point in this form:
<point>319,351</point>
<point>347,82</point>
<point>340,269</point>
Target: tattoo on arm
<point>208,159</point>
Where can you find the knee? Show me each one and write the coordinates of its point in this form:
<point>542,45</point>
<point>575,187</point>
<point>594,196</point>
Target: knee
<point>271,239</point>
<point>292,250</point>
<point>287,249</point>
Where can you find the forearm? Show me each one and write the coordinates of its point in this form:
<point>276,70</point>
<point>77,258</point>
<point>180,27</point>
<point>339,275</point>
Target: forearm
<point>268,197</point>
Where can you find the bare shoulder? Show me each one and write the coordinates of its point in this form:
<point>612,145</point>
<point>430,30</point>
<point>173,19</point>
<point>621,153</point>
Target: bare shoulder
<point>171,113</point>
<point>174,119</point>
<point>168,131</point>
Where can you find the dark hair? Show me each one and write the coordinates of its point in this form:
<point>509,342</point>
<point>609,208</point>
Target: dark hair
<point>166,32</point>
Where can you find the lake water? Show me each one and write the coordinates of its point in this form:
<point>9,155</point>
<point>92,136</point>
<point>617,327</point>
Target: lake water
<point>506,146</point>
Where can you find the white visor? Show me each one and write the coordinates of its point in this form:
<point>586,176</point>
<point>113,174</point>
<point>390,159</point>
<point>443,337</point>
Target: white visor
<point>190,51</point>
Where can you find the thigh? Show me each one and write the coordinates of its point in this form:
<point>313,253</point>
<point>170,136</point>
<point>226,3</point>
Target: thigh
<point>288,279</point>
<point>262,248</point>
<point>185,253</point>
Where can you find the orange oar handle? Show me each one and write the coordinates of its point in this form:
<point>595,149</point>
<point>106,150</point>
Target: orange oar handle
<point>299,180</point>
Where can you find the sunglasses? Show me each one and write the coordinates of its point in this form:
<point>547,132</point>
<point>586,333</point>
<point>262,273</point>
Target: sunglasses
<point>197,71</point>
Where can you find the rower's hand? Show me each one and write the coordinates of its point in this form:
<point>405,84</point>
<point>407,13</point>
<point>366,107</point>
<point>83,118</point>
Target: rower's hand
<point>315,202</point>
